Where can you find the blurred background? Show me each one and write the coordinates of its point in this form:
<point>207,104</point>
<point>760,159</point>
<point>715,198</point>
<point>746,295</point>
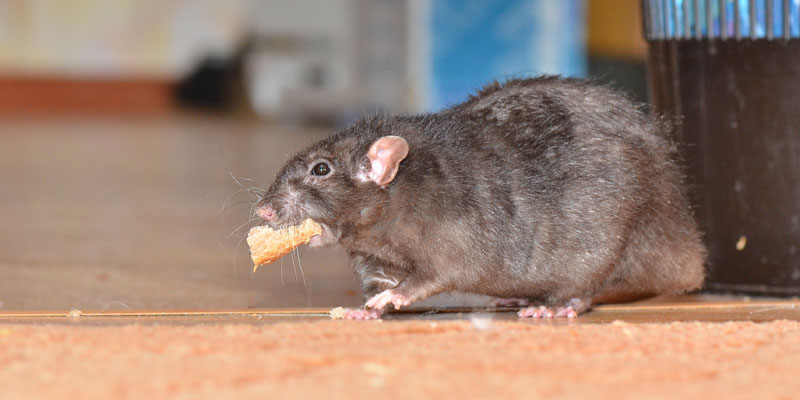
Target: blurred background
<point>134,134</point>
<point>304,60</point>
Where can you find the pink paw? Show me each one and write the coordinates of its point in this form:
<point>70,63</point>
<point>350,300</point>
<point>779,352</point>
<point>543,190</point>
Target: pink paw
<point>536,312</point>
<point>388,296</point>
<point>360,314</point>
<point>567,311</point>
<point>547,312</point>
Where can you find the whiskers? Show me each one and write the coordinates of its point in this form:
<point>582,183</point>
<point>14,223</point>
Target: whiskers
<point>248,224</point>
<point>253,191</point>
<point>296,253</point>
<point>253,194</point>
<point>250,194</point>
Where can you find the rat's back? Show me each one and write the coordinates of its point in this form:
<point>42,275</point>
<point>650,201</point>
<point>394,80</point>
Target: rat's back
<point>598,182</point>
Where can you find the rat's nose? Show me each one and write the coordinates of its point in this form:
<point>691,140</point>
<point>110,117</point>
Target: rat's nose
<point>266,212</point>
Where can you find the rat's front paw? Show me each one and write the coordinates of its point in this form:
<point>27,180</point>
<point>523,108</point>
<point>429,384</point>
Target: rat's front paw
<point>388,296</point>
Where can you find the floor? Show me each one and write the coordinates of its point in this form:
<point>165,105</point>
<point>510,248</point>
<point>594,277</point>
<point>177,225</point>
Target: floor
<point>456,355</point>
<point>128,213</point>
<point>123,275</point>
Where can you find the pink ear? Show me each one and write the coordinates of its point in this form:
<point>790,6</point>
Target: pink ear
<point>384,158</point>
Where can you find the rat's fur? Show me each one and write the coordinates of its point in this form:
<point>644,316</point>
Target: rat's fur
<point>545,188</point>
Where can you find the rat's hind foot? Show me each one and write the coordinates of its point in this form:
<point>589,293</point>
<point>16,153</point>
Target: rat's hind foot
<point>511,302</point>
<point>361,313</point>
<point>547,312</point>
<point>536,312</point>
<point>386,297</point>
<point>571,309</point>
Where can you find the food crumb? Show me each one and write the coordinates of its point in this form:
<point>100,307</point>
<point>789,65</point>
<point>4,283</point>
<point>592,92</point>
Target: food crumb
<point>337,313</point>
<point>74,313</point>
<point>741,243</point>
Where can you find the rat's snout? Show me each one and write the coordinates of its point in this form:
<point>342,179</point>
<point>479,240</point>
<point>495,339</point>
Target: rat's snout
<point>282,205</point>
<point>266,212</point>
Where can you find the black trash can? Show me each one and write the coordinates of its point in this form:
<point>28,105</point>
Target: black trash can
<point>729,71</point>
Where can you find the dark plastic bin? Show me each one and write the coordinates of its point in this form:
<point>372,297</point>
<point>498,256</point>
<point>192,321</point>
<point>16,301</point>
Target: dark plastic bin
<point>729,70</point>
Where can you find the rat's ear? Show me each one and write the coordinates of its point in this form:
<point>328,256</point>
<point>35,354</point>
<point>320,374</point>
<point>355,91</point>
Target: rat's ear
<point>384,158</point>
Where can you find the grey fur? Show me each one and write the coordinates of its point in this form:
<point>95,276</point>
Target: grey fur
<point>546,188</point>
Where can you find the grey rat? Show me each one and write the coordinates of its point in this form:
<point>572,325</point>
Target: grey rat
<point>546,189</point>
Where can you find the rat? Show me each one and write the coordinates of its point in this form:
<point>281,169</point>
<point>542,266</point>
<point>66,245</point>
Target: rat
<point>550,193</point>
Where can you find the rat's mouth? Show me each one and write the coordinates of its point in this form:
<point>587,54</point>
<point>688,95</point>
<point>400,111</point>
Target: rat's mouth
<point>323,239</point>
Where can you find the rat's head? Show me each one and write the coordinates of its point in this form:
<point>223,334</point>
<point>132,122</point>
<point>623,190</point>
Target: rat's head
<point>338,182</point>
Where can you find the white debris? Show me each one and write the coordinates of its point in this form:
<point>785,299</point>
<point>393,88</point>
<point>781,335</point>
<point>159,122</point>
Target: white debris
<point>337,313</point>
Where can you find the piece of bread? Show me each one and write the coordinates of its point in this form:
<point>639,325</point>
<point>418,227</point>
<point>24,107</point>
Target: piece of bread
<point>268,245</point>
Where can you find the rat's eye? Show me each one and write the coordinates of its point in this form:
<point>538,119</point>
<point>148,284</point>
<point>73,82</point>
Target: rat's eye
<point>321,169</point>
